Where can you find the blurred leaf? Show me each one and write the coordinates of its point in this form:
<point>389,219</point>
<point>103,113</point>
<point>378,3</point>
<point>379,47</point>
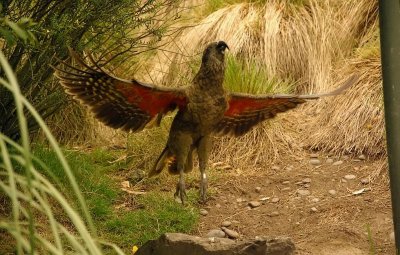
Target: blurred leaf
<point>21,33</point>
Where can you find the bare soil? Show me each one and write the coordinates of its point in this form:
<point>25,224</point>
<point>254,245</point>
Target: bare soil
<point>357,220</point>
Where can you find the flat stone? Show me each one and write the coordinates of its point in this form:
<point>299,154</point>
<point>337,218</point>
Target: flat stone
<point>362,157</point>
<point>315,162</point>
<point>315,200</point>
<point>339,162</point>
<point>314,209</point>
<point>182,244</point>
<point>274,214</point>
<point>332,192</point>
<point>306,180</point>
<point>286,182</point>
<point>216,233</point>
<point>365,181</point>
<point>285,189</point>
<point>349,176</point>
<point>254,204</point>
<point>226,223</point>
<point>303,192</point>
<point>203,212</point>
<point>230,233</point>
<point>329,161</point>
<point>258,189</point>
<point>275,200</point>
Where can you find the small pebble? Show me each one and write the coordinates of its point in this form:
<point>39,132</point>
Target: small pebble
<point>345,157</point>
<point>275,200</point>
<point>356,168</point>
<point>313,155</point>
<point>306,180</point>
<point>258,189</point>
<point>314,209</point>
<point>289,168</point>
<point>349,176</point>
<point>303,192</point>
<point>286,189</point>
<point>217,205</point>
<point>239,200</point>
<point>226,223</point>
<point>254,204</point>
<point>332,192</point>
<point>362,157</point>
<point>315,162</point>
<point>216,233</point>
<point>203,212</point>
<point>315,200</point>
<point>329,161</point>
<point>339,162</point>
<point>307,185</point>
<point>286,182</point>
<point>231,233</point>
<point>274,214</point>
<point>276,168</point>
<point>365,181</point>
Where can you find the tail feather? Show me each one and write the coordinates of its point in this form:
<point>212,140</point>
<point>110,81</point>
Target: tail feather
<point>162,160</point>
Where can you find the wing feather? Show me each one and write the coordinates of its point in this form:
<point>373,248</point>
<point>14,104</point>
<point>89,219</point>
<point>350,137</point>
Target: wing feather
<point>118,103</point>
<point>245,110</point>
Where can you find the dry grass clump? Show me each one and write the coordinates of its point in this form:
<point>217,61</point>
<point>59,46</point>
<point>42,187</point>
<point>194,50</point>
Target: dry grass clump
<point>353,122</point>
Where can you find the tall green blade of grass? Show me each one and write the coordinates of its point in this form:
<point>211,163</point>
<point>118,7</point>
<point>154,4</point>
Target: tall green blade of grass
<point>30,192</point>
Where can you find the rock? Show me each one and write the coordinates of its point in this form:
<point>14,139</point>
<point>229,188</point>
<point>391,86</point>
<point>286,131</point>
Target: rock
<point>306,180</point>
<point>313,155</point>
<point>275,200</point>
<point>275,168</point>
<point>329,161</point>
<point>365,181</point>
<point>314,209</point>
<point>274,214</point>
<point>254,204</point>
<point>303,192</point>
<point>349,176</point>
<point>230,233</point>
<point>125,184</point>
<point>216,233</point>
<point>203,212</point>
<point>332,192</point>
<point>339,162</point>
<point>286,182</point>
<point>182,244</point>
<point>226,223</point>
<point>315,200</point>
<point>315,161</point>
<point>362,157</point>
<point>258,189</point>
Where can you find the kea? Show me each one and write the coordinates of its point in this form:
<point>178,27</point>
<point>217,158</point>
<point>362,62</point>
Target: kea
<point>205,108</point>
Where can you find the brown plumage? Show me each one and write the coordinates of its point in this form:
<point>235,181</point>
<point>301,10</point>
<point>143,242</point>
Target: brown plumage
<point>204,108</point>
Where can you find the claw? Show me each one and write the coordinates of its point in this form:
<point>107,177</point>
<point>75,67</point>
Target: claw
<point>203,188</point>
<point>180,193</point>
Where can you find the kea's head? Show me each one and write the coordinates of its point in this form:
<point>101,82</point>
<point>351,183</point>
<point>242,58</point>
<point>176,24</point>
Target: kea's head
<point>214,53</point>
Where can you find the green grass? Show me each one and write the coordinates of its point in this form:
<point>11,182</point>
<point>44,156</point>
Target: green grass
<point>251,77</point>
<point>159,212</point>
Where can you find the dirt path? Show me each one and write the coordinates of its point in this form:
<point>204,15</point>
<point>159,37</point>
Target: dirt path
<point>295,202</point>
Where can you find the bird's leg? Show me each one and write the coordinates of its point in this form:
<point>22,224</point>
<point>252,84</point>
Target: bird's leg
<point>203,151</point>
<point>180,193</point>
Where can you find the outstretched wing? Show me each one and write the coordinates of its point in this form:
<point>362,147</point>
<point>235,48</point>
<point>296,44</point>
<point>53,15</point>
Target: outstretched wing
<point>245,110</point>
<point>118,103</point>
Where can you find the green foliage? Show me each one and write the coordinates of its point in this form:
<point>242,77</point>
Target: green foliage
<point>161,214</point>
<point>251,77</point>
<point>34,32</point>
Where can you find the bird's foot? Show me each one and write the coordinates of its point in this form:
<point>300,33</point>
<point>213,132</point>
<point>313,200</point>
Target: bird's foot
<point>180,193</point>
